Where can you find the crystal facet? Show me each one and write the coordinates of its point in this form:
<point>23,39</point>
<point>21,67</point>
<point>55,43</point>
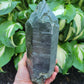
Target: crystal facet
<point>42,31</point>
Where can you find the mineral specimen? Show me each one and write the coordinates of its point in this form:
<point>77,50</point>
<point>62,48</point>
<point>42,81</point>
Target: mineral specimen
<point>42,31</point>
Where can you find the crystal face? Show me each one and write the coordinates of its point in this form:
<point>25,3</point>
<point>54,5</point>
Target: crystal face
<point>42,31</point>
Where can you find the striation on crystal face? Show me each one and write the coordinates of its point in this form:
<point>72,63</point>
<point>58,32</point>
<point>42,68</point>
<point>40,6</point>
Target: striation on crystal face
<point>42,31</point>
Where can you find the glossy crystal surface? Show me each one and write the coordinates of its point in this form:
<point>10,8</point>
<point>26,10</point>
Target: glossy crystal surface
<point>42,31</point>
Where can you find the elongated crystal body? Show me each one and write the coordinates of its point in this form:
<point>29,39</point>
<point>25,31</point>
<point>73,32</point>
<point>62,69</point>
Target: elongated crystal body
<point>42,31</point>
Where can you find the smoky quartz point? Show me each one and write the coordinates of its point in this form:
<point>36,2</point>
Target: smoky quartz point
<point>42,31</point>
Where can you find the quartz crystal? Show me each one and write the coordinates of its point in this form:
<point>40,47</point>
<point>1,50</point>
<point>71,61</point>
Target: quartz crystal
<point>42,31</point>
